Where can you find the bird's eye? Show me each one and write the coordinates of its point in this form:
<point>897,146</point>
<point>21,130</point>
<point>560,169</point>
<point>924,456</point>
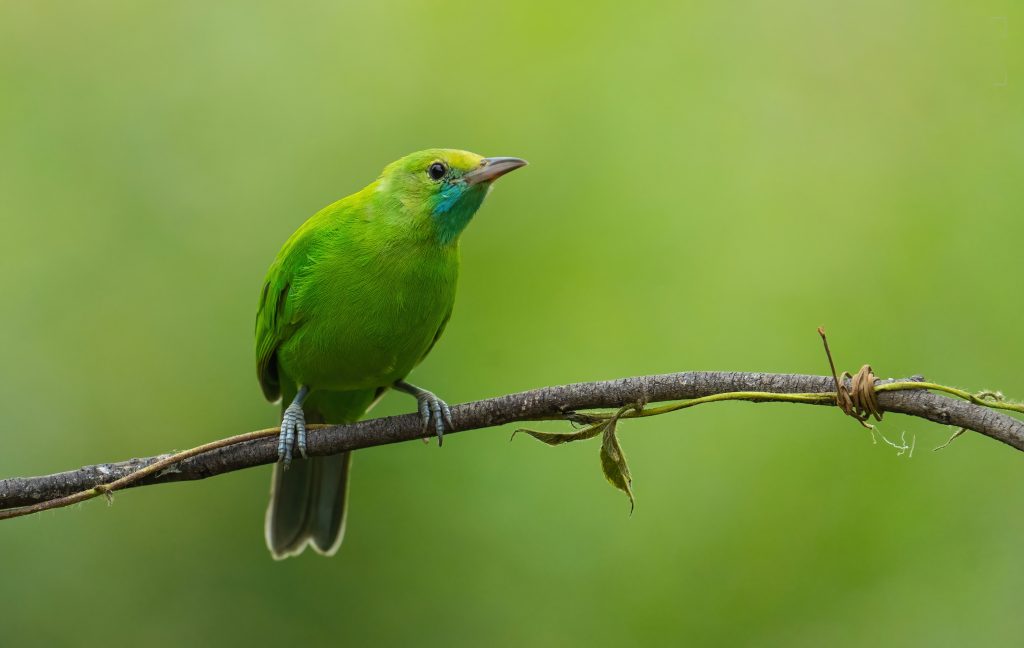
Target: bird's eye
<point>437,170</point>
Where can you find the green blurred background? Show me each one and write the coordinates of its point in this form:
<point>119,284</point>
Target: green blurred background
<point>708,183</point>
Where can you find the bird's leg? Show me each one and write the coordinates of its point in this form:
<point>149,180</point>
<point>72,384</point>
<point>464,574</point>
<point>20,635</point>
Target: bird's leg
<point>293,429</point>
<point>432,409</point>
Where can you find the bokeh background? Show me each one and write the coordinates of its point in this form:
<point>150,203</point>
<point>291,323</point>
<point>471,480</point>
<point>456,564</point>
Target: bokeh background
<point>709,182</point>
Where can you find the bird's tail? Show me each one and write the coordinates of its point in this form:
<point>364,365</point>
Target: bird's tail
<point>307,503</point>
<point>308,500</point>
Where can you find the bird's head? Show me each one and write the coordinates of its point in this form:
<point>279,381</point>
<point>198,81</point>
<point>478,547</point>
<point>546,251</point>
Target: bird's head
<point>441,189</point>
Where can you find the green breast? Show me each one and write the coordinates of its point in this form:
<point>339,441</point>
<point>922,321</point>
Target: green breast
<point>369,313</point>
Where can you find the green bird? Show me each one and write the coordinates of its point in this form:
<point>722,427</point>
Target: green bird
<point>355,299</point>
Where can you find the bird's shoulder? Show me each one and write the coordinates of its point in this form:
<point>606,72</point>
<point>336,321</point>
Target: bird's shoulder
<point>329,226</point>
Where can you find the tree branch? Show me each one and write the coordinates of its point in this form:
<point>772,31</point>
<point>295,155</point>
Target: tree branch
<point>547,403</point>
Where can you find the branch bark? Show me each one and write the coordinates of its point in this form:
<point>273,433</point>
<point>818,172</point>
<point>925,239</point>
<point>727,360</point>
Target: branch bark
<point>546,403</point>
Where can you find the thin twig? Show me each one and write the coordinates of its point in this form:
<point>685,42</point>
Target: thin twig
<point>562,402</point>
<point>154,468</point>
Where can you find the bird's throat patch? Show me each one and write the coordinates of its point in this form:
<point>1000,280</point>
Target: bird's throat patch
<point>454,207</point>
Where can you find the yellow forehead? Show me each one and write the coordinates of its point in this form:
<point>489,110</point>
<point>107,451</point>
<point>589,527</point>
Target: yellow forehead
<point>420,160</point>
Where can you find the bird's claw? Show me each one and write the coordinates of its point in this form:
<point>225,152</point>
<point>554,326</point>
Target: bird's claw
<point>434,411</point>
<point>293,433</point>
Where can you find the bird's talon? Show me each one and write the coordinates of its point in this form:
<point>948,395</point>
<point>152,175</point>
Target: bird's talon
<point>434,412</point>
<point>425,413</point>
<point>293,434</point>
<point>438,421</point>
<point>300,441</point>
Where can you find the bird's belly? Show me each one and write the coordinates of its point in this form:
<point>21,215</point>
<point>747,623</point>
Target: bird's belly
<point>363,346</point>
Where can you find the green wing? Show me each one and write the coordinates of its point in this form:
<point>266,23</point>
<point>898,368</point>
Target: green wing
<point>281,310</point>
<point>268,336</point>
<point>278,317</point>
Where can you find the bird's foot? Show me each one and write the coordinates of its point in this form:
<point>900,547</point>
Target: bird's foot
<point>434,412</point>
<point>293,433</point>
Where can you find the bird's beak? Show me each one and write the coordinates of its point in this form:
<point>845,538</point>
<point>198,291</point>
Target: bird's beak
<point>492,169</point>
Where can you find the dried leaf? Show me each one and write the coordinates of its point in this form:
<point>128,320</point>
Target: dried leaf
<point>553,439</point>
<point>613,463</point>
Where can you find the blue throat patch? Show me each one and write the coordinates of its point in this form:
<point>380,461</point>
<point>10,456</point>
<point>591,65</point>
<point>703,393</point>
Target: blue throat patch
<point>454,207</point>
